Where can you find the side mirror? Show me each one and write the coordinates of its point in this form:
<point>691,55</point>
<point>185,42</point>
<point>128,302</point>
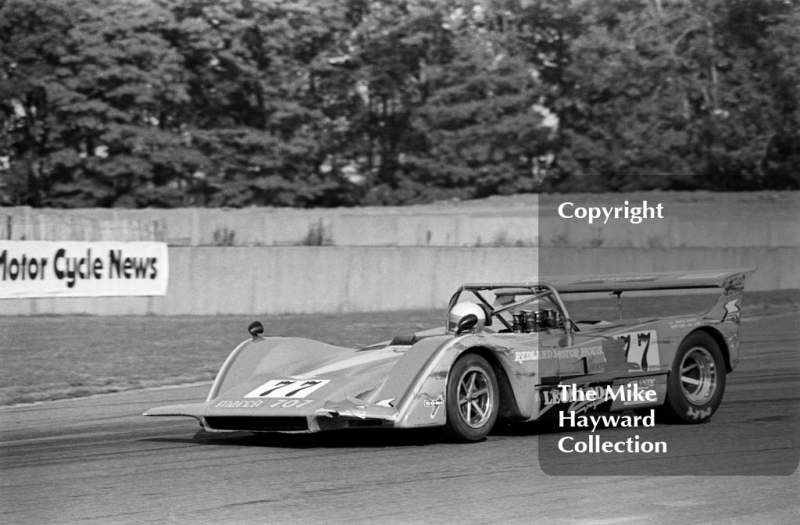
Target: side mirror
<point>255,329</point>
<point>467,323</point>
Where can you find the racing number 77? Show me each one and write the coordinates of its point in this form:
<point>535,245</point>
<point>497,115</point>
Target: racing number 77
<point>627,340</point>
<point>307,384</point>
<point>275,387</point>
<point>644,338</point>
<point>288,388</point>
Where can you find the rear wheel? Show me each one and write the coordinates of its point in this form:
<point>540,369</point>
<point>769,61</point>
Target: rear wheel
<point>696,382</point>
<point>472,399</point>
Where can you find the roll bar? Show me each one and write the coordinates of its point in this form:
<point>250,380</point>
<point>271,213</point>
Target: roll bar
<point>539,291</point>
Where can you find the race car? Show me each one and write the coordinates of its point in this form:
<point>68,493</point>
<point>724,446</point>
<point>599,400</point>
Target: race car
<point>508,351</point>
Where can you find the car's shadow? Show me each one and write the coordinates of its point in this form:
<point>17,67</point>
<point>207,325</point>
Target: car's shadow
<point>533,428</point>
<point>356,438</point>
<point>361,438</point>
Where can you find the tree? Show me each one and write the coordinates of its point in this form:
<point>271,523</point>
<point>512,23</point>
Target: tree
<point>32,40</point>
<point>258,113</point>
<point>107,92</point>
<point>328,102</point>
<point>678,96</point>
<point>488,117</point>
<point>451,101</point>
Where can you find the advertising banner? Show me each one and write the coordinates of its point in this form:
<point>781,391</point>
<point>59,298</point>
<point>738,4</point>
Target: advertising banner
<point>82,269</point>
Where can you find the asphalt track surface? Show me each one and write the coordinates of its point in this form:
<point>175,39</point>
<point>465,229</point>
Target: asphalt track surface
<point>97,461</point>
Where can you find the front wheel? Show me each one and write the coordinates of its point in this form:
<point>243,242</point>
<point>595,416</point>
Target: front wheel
<point>472,399</point>
<point>696,382</point>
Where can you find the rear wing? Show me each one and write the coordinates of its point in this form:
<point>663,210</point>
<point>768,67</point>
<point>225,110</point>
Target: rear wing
<point>727,307</point>
<point>731,282</point>
<point>616,283</point>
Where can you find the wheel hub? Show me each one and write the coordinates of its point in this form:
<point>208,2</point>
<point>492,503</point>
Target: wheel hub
<point>698,375</point>
<point>474,397</point>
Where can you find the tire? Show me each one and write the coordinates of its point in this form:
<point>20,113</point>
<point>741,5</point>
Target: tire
<point>473,399</point>
<point>696,381</point>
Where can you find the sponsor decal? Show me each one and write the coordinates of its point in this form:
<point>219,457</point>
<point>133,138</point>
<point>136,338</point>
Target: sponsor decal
<point>291,403</point>
<point>588,396</point>
<point>731,312</point>
<point>701,276</point>
<point>684,323</point>
<point>734,285</point>
<point>641,348</point>
<point>575,398</point>
<point>558,353</point>
<point>434,404</point>
<point>82,269</point>
<point>530,355</point>
<point>239,404</point>
<point>646,382</point>
<point>287,388</point>
<point>631,279</point>
<point>640,392</point>
<point>698,414</point>
<point>588,402</point>
<point>255,403</point>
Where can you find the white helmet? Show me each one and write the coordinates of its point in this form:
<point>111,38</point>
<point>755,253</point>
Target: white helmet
<point>462,310</point>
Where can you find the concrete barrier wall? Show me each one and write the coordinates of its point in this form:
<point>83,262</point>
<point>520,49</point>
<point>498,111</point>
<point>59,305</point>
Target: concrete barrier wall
<point>24,223</point>
<point>272,280</point>
<point>532,225</point>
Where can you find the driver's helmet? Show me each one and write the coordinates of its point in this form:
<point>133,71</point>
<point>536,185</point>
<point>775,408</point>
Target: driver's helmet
<point>461,310</point>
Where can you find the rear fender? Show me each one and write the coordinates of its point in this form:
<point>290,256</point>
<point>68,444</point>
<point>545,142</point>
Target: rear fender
<point>723,319</point>
<point>728,306</point>
<point>728,346</point>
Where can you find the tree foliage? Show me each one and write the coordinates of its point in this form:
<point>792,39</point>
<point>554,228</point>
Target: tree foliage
<point>682,95</point>
<point>136,103</point>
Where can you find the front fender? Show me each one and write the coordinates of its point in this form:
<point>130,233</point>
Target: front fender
<point>419,380</point>
<point>283,355</point>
